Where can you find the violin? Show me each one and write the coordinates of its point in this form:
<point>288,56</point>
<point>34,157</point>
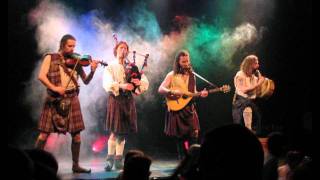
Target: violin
<point>71,60</point>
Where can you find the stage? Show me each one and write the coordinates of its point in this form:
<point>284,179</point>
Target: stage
<point>218,36</point>
<point>159,169</point>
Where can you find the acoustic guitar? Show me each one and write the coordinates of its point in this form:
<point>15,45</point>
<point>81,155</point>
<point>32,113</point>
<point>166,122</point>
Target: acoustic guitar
<point>178,102</point>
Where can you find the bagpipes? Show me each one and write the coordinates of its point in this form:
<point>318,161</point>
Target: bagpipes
<point>132,70</point>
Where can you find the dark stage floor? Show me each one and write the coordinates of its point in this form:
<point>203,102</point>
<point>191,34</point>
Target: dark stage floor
<point>159,169</point>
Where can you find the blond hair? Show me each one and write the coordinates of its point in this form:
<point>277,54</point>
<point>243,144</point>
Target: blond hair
<point>247,63</point>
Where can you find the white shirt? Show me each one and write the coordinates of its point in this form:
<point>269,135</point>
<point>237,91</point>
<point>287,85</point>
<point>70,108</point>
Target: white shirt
<point>242,81</point>
<point>114,75</point>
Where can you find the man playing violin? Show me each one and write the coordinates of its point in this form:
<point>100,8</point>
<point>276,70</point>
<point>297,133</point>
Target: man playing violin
<point>182,124</point>
<point>61,112</point>
<point>121,109</point>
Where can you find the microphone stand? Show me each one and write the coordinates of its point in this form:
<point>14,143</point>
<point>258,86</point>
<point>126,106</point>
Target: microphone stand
<point>213,85</point>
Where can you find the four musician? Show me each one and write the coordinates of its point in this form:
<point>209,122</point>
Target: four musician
<point>62,111</point>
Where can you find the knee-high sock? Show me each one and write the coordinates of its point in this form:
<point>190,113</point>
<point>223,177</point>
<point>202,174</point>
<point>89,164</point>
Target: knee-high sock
<point>75,149</point>
<point>120,146</point>
<point>247,117</point>
<point>111,146</point>
<point>181,148</point>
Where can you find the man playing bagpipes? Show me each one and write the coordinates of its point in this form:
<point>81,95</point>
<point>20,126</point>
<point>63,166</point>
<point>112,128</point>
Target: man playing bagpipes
<point>121,85</point>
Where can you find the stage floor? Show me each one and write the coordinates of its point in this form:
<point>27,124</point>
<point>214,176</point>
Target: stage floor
<point>159,168</point>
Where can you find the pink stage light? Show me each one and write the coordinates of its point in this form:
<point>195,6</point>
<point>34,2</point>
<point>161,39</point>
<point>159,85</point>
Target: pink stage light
<point>99,144</point>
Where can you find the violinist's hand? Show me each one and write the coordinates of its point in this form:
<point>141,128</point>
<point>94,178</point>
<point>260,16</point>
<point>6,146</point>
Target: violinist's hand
<point>204,93</point>
<point>127,86</point>
<point>94,65</point>
<point>59,89</point>
<point>137,82</point>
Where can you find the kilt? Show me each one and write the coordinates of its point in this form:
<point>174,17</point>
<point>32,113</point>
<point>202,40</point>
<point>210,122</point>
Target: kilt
<point>182,123</point>
<point>74,122</point>
<point>238,107</point>
<point>121,114</point>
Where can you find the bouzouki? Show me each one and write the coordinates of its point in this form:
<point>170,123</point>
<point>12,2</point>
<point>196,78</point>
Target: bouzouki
<point>178,102</point>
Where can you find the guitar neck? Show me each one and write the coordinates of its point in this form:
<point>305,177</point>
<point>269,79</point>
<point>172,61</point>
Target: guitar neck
<point>198,93</point>
<point>214,90</point>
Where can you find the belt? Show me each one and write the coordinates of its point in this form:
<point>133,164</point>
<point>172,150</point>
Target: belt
<point>71,91</point>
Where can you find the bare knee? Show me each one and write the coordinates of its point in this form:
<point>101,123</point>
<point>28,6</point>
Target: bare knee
<point>195,133</point>
<point>76,137</point>
<point>112,137</point>
<point>247,110</point>
<point>43,136</point>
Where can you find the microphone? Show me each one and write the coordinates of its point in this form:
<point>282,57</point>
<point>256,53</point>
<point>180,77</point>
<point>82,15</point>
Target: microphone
<point>257,73</point>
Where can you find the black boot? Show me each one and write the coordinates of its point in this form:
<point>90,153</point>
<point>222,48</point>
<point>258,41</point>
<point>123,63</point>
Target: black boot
<point>181,149</point>
<point>118,162</point>
<point>75,149</point>
<point>192,141</point>
<point>40,144</point>
<point>110,161</point>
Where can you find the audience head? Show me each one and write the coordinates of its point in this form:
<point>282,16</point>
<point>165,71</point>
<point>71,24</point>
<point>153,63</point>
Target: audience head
<point>231,152</point>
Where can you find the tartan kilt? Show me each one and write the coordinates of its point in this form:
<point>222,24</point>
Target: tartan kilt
<point>74,122</point>
<point>182,123</point>
<point>121,114</point>
<point>238,106</point>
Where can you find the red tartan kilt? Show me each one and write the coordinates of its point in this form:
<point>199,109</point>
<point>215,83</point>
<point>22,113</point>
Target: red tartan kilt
<point>121,114</point>
<point>74,123</point>
<point>182,123</point>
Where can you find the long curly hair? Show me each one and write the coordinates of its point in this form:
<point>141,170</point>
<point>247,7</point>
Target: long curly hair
<point>64,40</point>
<point>177,69</point>
<point>246,65</point>
<point>116,47</point>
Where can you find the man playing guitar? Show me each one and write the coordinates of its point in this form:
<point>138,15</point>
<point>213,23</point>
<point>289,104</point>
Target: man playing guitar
<point>184,123</point>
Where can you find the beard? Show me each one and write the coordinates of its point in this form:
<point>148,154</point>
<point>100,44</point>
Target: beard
<point>66,54</point>
<point>185,69</point>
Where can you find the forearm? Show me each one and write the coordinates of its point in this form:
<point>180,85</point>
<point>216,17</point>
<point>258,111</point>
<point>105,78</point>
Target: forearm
<point>45,81</point>
<point>253,87</point>
<point>163,90</point>
<point>86,79</point>
<point>123,86</point>
<point>249,89</point>
<point>239,84</point>
<point>144,85</point>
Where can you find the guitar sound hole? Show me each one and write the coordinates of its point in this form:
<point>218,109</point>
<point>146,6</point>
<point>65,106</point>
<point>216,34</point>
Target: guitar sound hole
<point>184,96</point>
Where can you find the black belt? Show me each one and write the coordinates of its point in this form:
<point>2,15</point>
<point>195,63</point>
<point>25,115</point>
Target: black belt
<point>71,91</point>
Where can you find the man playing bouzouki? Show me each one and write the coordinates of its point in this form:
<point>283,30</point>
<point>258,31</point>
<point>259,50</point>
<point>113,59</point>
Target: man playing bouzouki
<point>182,124</point>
